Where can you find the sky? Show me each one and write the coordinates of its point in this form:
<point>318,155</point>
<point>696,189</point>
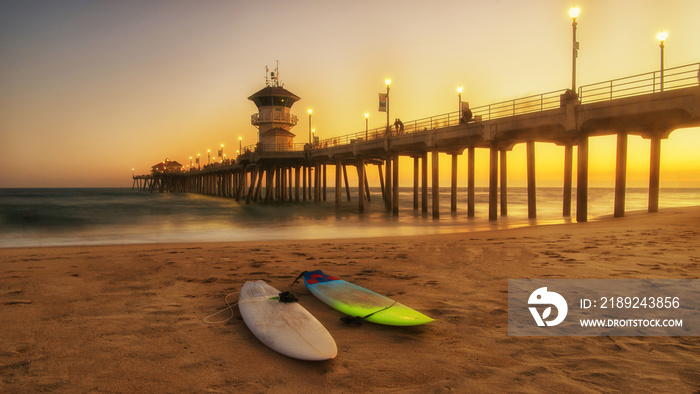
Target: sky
<point>91,89</point>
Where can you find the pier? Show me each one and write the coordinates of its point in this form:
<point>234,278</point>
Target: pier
<point>651,105</point>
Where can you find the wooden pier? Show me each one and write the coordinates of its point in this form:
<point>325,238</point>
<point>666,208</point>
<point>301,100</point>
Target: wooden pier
<point>636,105</point>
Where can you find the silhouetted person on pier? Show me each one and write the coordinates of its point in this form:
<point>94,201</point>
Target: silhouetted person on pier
<point>466,115</point>
<point>398,124</point>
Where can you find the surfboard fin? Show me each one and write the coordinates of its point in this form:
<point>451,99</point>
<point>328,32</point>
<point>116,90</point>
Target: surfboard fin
<point>353,320</point>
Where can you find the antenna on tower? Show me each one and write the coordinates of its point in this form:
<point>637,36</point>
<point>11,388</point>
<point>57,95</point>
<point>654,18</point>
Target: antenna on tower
<point>272,79</point>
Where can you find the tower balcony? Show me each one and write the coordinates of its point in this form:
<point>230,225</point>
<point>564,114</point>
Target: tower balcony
<point>259,118</point>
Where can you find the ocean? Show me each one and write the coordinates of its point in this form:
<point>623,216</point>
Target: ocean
<point>103,216</point>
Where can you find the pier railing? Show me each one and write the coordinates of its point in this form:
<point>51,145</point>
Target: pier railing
<point>258,118</point>
<point>258,148</point>
<point>519,106</point>
<point>635,85</point>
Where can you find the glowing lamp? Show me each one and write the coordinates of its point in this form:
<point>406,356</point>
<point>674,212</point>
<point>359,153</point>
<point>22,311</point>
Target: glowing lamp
<point>574,11</point>
<point>662,36</point>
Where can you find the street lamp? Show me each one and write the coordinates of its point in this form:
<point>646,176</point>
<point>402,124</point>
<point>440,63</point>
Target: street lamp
<point>459,103</point>
<point>366,126</point>
<point>240,147</point>
<point>199,166</point>
<point>310,126</point>
<point>388,82</point>
<point>662,37</point>
<point>313,133</point>
<point>208,156</point>
<point>573,12</point>
<point>132,172</point>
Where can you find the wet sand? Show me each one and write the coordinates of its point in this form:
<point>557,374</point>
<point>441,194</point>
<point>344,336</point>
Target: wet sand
<point>130,318</point>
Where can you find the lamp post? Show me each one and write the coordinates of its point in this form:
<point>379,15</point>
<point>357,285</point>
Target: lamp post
<point>459,103</point>
<point>662,37</point>
<point>132,172</point>
<point>240,147</point>
<point>366,126</point>
<point>310,126</point>
<point>388,82</point>
<point>208,156</point>
<point>199,166</point>
<point>313,135</point>
<point>573,12</point>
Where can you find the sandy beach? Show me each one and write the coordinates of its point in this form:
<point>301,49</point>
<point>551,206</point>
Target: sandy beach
<point>130,318</point>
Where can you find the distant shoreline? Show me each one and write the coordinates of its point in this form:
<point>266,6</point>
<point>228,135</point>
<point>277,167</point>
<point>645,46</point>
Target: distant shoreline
<point>603,219</point>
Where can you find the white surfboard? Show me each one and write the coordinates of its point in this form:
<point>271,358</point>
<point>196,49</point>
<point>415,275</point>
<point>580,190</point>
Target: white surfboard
<point>285,327</point>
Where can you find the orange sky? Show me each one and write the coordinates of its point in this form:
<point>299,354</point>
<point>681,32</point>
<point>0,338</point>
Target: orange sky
<point>91,89</point>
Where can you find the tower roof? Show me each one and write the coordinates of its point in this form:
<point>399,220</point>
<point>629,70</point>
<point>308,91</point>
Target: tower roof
<point>274,96</point>
<point>274,91</point>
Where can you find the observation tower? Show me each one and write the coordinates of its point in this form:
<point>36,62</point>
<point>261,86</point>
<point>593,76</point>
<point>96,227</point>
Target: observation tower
<point>274,119</point>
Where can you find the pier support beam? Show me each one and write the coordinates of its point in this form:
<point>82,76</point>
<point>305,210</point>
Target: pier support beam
<point>297,178</point>
<point>620,174</point>
<point>568,176</point>
<point>347,186</point>
<point>582,181</point>
<point>424,182</point>
<point>324,183</point>
<point>470,182</point>
<point>269,176</point>
<point>453,185</point>
<point>388,183</point>
<point>244,180</point>
<point>504,181</point>
<point>311,183</point>
<point>493,182</point>
<point>251,191</point>
<point>654,173</point>
<point>319,183</point>
<point>258,188</point>
<point>361,184</point>
<point>366,182</point>
<point>531,183</point>
<point>338,184</point>
<point>436,184</point>
<point>416,178</point>
<point>303,184</point>
<point>381,182</point>
<point>395,183</point>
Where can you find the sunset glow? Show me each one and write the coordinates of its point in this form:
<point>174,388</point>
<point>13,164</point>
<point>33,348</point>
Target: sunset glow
<point>92,90</point>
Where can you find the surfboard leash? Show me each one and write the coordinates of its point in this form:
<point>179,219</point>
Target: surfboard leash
<point>291,287</point>
<point>358,320</point>
<point>229,308</point>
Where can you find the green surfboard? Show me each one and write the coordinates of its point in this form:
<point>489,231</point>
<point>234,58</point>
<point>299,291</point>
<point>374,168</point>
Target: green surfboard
<point>356,301</point>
